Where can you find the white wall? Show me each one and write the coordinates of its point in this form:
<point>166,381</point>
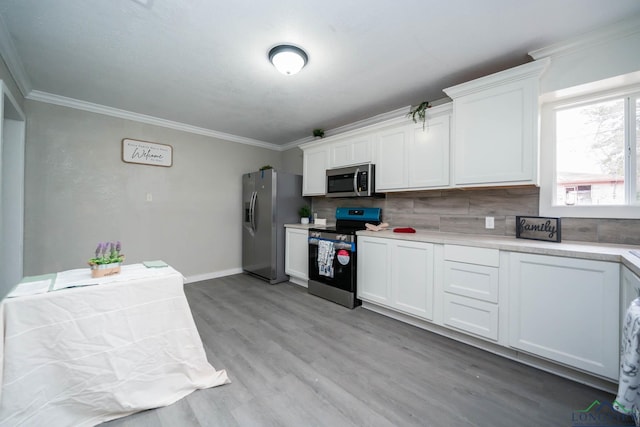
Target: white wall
<point>11,179</point>
<point>79,192</point>
<point>610,52</point>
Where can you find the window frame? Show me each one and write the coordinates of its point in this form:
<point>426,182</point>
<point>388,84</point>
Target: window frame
<point>548,154</point>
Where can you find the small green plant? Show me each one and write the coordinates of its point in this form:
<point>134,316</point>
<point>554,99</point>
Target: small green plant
<point>107,253</point>
<point>318,132</point>
<point>304,211</point>
<point>265,167</point>
<point>419,113</point>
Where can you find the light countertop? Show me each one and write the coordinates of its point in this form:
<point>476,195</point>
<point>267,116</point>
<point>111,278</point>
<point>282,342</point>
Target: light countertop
<point>572,249</point>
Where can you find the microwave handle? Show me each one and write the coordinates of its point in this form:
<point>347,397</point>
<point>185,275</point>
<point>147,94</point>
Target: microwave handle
<point>355,182</point>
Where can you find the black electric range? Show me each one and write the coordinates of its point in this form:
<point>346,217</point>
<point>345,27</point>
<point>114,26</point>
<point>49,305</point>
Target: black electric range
<point>332,255</point>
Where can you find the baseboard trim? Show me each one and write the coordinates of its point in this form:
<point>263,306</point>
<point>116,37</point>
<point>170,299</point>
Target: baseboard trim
<point>298,281</point>
<point>552,367</point>
<point>213,275</point>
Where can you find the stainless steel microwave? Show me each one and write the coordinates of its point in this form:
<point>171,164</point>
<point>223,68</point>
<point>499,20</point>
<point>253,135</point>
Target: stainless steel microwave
<point>351,181</point>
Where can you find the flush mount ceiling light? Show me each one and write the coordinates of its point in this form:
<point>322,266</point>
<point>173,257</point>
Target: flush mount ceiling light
<point>288,59</point>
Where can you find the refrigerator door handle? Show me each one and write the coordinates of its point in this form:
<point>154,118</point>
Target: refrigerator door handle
<point>252,210</point>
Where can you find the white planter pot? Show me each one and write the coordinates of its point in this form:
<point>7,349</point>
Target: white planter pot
<point>304,220</point>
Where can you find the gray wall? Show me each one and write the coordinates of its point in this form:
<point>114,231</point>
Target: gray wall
<point>80,192</point>
<point>292,160</point>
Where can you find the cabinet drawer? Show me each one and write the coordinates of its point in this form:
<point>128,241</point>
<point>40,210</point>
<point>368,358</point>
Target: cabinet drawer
<point>472,255</point>
<point>470,280</point>
<point>470,315</point>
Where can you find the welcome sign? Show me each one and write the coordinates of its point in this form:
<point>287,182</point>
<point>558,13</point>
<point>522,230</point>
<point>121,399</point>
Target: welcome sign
<point>146,153</point>
<point>538,228</point>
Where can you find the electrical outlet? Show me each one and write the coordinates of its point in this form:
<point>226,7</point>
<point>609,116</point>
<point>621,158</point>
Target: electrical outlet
<point>149,197</point>
<point>489,222</point>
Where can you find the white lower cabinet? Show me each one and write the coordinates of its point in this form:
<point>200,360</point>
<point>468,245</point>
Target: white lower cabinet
<point>630,290</point>
<point>397,274</point>
<point>412,278</point>
<point>296,258</point>
<point>374,270</point>
<point>470,315</point>
<point>566,310</point>
<point>470,290</point>
<point>561,309</point>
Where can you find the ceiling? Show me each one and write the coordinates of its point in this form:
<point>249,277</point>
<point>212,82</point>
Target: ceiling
<point>203,63</point>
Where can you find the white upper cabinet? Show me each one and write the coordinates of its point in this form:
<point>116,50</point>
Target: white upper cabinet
<point>333,152</point>
<point>351,151</point>
<point>413,156</point>
<point>391,164</point>
<point>495,128</point>
<point>315,161</point>
<point>428,157</point>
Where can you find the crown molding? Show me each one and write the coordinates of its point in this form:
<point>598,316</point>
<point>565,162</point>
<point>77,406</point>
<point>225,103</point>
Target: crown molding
<point>442,106</point>
<point>613,31</point>
<point>355,126</point>
<point>524,71</point>
<point>36,95</point>
<point>10,56</point>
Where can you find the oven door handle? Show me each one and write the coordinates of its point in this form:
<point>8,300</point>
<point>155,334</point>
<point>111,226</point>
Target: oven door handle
<point>338,244</point>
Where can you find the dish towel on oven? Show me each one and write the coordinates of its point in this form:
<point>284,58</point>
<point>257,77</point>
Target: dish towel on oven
<point>628,399</point>
<point>326,252</point>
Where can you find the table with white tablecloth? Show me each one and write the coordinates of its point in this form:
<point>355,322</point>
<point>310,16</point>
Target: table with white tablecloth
<point>81,355</point>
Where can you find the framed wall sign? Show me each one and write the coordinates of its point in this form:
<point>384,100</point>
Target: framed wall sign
<point>147,153</point>
<point>538,228</point>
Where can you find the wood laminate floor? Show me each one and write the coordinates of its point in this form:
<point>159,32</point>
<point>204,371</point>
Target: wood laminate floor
<point>297,360</point>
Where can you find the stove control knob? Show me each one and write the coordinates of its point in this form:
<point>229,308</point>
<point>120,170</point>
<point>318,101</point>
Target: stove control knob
<point>315,234</point>
<point>342,237</point>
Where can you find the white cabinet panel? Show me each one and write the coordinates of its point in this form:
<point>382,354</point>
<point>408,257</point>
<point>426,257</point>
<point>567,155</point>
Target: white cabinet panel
<point>495,130</point>
<point>391,167</point>
<point>428,156</point>
<point>475,281</point>
<point>412,157</point>
<point>566,310</point>
<point>374,274</point>
<point>494,141</point>
<point>296,261</point>
<point>630,290</point>
<point>351,151</point>
<point>471,283</point>
<point>412,278</point>
<point>472,255</point>
<point>397,274</point>
<point>470,315</point>
<point>315,161</point>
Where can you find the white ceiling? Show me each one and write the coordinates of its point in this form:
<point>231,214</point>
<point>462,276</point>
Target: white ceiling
<point>204,62</point>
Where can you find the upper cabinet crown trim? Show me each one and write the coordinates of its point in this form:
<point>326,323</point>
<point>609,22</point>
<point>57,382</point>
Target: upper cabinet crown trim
<point>614,31</point>
<point>531,69</point>
<point>384,120</point>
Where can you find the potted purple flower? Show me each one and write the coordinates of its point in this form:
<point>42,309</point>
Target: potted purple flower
<point>107,260</point>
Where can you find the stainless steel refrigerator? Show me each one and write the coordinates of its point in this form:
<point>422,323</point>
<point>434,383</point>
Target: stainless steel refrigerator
<point>270,199</point>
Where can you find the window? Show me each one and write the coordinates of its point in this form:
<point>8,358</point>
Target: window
<point>590,156</point>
